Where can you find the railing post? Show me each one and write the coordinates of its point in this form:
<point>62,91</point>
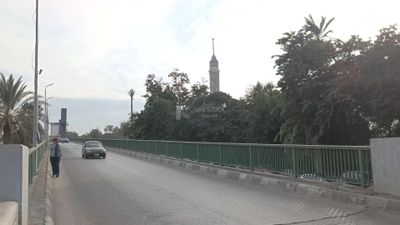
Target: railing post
<point>251,159</point>
<point>362,170</point>
<point>220,154</point>
<point>36,161</point>
<point>294,162</point>
<point>167,149</point>
<point>180,150</point>
<point>30,168</point>
<point>198,153</point>
<point>40,152</point>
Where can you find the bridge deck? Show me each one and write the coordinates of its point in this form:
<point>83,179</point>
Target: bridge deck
<point>124,190</point>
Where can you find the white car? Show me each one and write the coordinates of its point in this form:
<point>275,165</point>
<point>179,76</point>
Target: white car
<point>64,140</point>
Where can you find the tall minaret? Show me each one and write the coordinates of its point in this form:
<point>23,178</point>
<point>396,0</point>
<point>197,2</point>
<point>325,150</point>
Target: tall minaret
<point>214,72</point>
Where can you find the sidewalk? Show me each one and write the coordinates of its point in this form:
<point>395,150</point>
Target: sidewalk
<point>40,195</point>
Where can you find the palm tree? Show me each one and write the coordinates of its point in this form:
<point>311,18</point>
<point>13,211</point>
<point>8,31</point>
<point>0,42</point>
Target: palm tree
<point>12,97</point>
<point>131,93</point>
<point>317,31</point>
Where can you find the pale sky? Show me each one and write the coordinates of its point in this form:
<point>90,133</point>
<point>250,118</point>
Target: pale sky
<point>94,51</point>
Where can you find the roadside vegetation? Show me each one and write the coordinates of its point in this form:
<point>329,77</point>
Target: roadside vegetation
<point>16,111</point>
<point>330,91</point>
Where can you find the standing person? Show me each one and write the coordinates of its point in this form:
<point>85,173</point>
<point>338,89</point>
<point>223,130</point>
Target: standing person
<point>55,155</point>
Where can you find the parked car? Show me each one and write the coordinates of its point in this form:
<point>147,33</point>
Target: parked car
<point>64,140</point>
<point>93,149</point>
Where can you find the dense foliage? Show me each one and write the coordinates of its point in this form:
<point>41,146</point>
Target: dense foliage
<point>330,92</point>
<point>16,112</point>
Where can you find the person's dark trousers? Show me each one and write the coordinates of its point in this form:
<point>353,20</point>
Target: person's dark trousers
<point>55,165</point>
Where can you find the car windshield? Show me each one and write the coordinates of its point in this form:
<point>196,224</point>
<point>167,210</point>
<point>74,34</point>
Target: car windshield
<point>93,145</point>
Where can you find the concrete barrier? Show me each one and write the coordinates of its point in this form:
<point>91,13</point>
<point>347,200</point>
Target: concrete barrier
<point>14,178</point>
<point>8,213</point>
<point>385,153</point>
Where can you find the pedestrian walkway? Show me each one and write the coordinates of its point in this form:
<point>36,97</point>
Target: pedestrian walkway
<point>37,196</point>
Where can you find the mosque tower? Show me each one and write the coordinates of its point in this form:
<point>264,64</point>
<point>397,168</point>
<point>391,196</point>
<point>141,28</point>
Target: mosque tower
<point>214,72</point>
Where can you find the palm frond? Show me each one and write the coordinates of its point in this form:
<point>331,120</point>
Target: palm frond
<point>318,32</point>
<point>131,93</point>
<point>12,96</point>
<point>328,23</point>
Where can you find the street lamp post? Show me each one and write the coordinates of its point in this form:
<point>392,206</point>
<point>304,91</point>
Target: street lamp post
<point>47,119</point>
<point>47,112</point>
<point>35,101</point>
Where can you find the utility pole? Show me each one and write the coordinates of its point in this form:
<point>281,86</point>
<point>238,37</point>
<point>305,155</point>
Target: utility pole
<point>35,101</point>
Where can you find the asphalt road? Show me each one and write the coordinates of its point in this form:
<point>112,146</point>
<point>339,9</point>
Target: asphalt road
<point>124,190</point>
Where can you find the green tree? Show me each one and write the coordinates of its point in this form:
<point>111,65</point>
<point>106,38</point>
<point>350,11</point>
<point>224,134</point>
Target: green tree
<point>153,85</point>
<point>24,133</point>
<point>178,86</point>
<point>263,103</point>
<point>72,134</point>
<point>217,117</point>
<point>198,90</point>
<point>12,96</point>
<point>348,125</point>
<point>181,130</point>
<point>95,133</point>
<point>379,83</point>
<point>305,73</point>
<point>111,131</point>
<point>157,119</point>
<point>117,132</point>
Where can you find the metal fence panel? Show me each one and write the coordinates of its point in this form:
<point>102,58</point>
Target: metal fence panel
<point>35,157</point>
<point>350,164</point>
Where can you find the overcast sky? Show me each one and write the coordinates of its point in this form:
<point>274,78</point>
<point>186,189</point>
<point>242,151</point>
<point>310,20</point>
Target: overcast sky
<point>94,51</point>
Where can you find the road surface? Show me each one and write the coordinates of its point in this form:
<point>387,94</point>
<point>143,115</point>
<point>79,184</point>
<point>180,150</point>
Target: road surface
<point>122,190</point>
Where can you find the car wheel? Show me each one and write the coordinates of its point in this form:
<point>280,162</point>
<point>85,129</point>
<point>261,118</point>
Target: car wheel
<point>86,156</point>
<point>104,157</point>
<point>83,156</point>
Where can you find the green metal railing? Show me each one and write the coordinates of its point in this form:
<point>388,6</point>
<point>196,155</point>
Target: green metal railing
<point>35,157</point>
<point>349,164</point>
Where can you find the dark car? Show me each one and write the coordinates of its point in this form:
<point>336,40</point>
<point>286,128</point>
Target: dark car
<point>93,149</point>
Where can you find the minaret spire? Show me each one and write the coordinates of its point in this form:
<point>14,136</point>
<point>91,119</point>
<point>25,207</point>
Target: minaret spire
<point>214,71</point>
<point>213,46</point>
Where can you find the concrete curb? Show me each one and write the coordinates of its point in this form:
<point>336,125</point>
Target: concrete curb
<point>332,192</point>
<point>49,211</point>
<point>8,213</point>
